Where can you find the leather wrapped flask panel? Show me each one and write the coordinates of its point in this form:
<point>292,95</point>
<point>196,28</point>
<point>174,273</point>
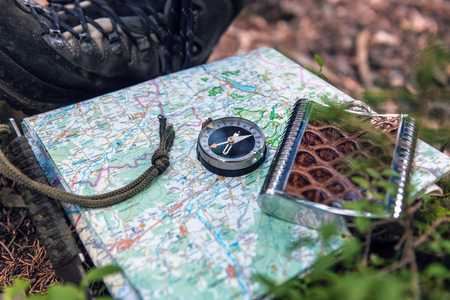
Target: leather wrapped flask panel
<point>339,161</point>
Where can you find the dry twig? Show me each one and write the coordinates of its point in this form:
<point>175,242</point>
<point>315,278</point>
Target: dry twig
<point>367,246</point>
<point>7,250</point>
<point>424,237</point>
<point>362,56</point>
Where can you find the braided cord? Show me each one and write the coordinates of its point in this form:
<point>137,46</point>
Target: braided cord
<point>160,162</point>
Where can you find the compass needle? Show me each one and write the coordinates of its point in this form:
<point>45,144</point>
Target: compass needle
<point>231,146</point>
<point>225,151</point>
<point>241,138</point>
<point>219,144</point>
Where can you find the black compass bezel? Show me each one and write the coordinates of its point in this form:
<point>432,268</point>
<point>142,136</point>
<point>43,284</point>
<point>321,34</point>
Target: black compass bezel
<point>231,173</point>
<point>231,167</point>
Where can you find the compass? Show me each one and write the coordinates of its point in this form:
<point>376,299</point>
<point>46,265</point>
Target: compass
<point>231,146</point>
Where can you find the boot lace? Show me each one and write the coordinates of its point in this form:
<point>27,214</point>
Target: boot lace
<point>183,11</point>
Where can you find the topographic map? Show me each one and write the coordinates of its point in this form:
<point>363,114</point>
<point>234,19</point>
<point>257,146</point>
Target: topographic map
<point>191,234</point>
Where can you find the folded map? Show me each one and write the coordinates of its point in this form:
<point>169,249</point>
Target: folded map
<point>191,234</point>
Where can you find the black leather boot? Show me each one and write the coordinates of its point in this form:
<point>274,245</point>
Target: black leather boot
<point>55,55</point>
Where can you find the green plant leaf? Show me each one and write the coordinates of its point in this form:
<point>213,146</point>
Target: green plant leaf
<point>68,291</point>
<point>361,181</point>
<point>444,145</point>
<point>351,251</point>
<point>323,275</point>
<point>288,290</point>
<point>309,69</point>
<point>95,275</point>
<point>376,260</point>
<point>389,172</point>
<point>436,270</point>
<point>39,297</point>
<point>389,187</point>
<point>103,287</point>
<point>378,196</point>
<point>435,247</point>
<point>446,246</point>
<point>16,288</point>
<point>366,206</point>
<point>319,60</point>
<point>328,231</point>
<point>362,224</point>
<point>375,98</point>
<point>372,173</point>
<point>321,265</point>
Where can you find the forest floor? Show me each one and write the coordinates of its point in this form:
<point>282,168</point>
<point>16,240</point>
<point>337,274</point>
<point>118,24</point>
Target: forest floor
<point>364,44</point>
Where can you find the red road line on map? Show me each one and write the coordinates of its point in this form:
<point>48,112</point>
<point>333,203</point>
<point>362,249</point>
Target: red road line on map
<point>148,94</point>
<point>196,116</point>
<point>162,112</point>
<point>109,168</point>
<point>431,171</point>
<point>160,104</point>
<point>171,211</point>
<point>76,222</point>
<point>155,84</point>
<point>161,109</point>
<point>145,156</point>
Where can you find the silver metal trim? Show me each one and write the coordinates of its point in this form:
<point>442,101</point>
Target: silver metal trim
<point>15,127</point>
<point>402,162</point>
<point>275,202</point>
<point>285,154</point>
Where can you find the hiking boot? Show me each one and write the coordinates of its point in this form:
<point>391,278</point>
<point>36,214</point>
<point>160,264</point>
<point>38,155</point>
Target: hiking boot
<point>55,55</point>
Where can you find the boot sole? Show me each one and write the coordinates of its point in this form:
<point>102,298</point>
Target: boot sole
<point>23,91</point>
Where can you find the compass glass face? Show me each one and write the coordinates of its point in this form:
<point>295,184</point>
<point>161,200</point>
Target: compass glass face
<point>244,142</point>
<point>231,139</point>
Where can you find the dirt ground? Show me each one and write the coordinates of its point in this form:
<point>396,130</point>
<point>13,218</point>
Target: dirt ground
<point>364,44</point>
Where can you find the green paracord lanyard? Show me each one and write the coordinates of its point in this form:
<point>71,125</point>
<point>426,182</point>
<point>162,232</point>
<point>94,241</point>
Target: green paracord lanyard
<point>160,162</point>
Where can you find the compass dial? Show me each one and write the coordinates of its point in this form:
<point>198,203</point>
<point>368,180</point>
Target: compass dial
<point>231,146</point>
